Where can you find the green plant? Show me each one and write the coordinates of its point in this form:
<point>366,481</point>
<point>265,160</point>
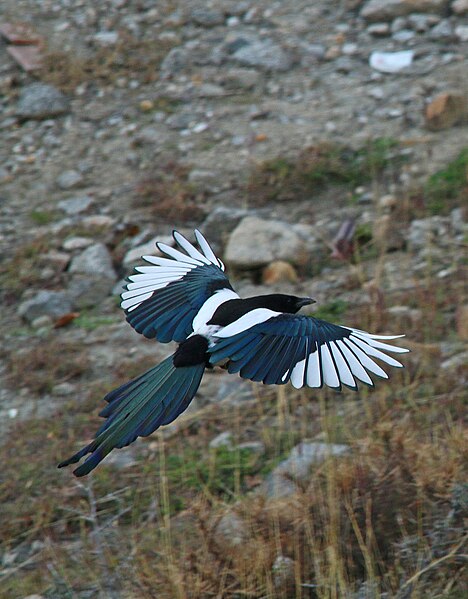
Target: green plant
<point>448,185</point>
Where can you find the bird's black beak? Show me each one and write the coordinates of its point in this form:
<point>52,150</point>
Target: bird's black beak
<point>305,301</point>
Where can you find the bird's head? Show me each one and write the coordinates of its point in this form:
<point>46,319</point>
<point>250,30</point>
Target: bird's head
<point>289,303</point>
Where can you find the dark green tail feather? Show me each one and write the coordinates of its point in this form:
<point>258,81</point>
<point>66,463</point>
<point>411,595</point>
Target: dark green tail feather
<point>138,408</point>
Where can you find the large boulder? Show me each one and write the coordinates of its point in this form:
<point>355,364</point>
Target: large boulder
<point>255,242</point>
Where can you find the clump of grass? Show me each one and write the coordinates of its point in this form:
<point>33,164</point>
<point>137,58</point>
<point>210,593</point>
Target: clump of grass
<point>448,186</point>
<point>41,367</point>
<point>43,217</point>
<point>128,57</point>
<point>316,167</point>
<point>332,311</point>
<point>22,270</point>
<point>170,195</point>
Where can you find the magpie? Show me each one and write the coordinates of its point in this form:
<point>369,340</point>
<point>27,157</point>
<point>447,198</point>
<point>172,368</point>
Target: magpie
<point>185,296</point>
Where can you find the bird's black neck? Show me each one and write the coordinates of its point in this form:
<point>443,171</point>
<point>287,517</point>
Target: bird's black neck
<point>232,310</point>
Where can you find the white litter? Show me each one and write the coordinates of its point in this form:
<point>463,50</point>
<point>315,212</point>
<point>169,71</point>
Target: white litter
<point>391,62</point>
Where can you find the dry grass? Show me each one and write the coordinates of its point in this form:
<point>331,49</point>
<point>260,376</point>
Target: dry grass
<point>169,195</point>
<point>129,57</point>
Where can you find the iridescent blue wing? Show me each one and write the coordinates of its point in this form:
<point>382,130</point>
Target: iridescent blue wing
<point>304,350</point>
<point>164,298</point>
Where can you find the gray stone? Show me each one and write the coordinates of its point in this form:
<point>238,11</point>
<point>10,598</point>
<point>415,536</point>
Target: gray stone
<point>426,231</point>
<point>63,389</point>
<point>459,361</point>
<point>460,7</point>
<point>264,54</point>
<point>305,455</point>
<point>241,78</point>
<point>220,223</point>
<point>207,17</point>
<point>222,440</point>
<point>41,101</point>
<point>283,571</point>
<point>88,291</point>
<point>422,22</point>
<point>77,243</point>
<point>382,10</point>
<point>134,255</point>
<point>442,31</point>
<point>230,532</point>
<point>95,261</point>
<point>277,486</point>
<point>461,31</point>
<point>70,179</point>
<point>404,35</point>
<point>75,205</point>
<point>175,61</point>
<point>45,303</point>
<point>378,29</point>
<point>256,242</point>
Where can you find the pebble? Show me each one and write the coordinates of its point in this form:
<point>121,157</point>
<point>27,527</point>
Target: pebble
<point>224,439</point>
<point>442,31</point>
<point>70,179</point>
<point>75,205</point>
<point>383,10</point>
<point>207,17</point>
<point>378,29</point>
<point>41,101</point>
<point>461,31</point>
<point>230,532</point>
<point>76,243</point>
<point>460,7</point>
<point>264,54</point>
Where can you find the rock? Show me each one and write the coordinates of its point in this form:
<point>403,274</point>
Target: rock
<point>70,179</point>
<point>77,243</point>
<point>458,220</point>
<point>456,363</point>
<point>75,205</point>
<point>422,22</point>
<point>426,231</point>
<point>264,54</point>
<point>63,389</point>
<point>45,303</point>
<point>175,61</point>
<point>207,17</point>
<point>222,440</point>
<point>95,261</point>
<point>34,596</point>
<point>230,532</point>
<point>279,271</point>
<point>442,31</point>
<point>446,110</point>
<point>461,318</point>
<point>305,455</point>
<point>379,29</point>
<point>42,322</point>
<point>106,38</point>
<point>88,291</point>
<point>220,222</point>
<point>460,7</point>
<point>121,459</point>
<point>241,78</point>
<point>461,31</point>
<point>277,486</point>
<point>256,242</point>
<point>41,101</point>
<point>283,574</point>
<point>384,10</point>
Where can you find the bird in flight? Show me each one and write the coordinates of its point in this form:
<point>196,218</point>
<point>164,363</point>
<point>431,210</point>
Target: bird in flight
<point>186,297</point>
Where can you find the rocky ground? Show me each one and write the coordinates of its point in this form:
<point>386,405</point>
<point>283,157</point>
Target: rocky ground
<point>290,134</point>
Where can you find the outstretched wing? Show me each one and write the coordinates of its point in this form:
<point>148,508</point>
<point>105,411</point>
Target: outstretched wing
<point>165,297</point>
<point>307,351</point>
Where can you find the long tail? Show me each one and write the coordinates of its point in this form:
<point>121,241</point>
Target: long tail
<point>138,408</point>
